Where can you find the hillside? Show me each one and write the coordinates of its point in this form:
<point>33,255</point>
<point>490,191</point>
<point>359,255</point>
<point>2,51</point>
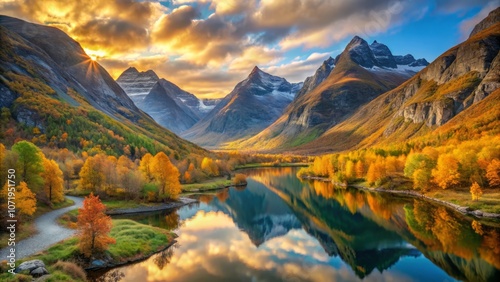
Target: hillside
<point>456,80</point>
<point>52,93</point>
<point>361,73</point>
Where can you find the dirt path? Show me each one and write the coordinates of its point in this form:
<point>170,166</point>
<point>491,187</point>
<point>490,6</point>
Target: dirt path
<point>49,232</point>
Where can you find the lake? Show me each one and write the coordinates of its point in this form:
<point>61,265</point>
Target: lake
<point>279,228</point>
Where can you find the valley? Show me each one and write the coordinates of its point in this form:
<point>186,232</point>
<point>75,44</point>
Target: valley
<point>200,142</point>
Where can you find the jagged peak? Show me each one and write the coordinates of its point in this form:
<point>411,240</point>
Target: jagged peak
<point>131,70</point>
<point>255,71</point>
<point>374,42</point>
<point>356,41</point>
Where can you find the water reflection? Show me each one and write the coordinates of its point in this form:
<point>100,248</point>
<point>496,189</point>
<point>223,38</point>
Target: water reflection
<point>280,229</point>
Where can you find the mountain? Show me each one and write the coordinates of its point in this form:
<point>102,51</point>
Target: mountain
<point>442,92</point>
<point>47,81</point>
<point>137,84</point>
<point>165,105</point>
<point>253,104</point>
<point>169,105</point>
<point>356,76</point>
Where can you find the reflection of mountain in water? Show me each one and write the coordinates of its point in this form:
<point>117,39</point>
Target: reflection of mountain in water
<point>369,230</point>
<point>258,212</point>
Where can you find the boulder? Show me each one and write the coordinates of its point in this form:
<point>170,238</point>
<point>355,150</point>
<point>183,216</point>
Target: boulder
<point>30,265</point>
<point>40,271</point>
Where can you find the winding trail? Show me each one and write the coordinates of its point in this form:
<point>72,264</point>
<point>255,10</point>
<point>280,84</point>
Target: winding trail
<point>49,232</point>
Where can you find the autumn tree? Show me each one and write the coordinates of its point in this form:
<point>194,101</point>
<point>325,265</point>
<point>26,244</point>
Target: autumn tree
<point>25,199</point>
<point>53,181</point>
<point>446,172</point>
<point>360,169</point>
<point>3,168</point>
<point>476,191</point>
<point>240,179</point>
<point>166,175</point>
<point>145,167</point>
<point>493,173</point>
<point>91,177</point>
<point>418,167</point>
<point>93,226</point>
<point>29,163</point>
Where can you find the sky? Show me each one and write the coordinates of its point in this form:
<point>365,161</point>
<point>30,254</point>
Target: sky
<point>207,46</point>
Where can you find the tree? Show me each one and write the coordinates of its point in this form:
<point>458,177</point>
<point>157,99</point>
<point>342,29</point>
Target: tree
<point>349,170</point>
<point>476,191</point>
<point>3,168</point>
<point>91,176</point>
<point>93,226</point>
<point>53,181</point>
<point>360,169</point>
<point>166,175</point>
<point>493,173</point>
<point>240,179</point>
<point>29,163</point>
<point>446,172</point>
<point>25,199</point>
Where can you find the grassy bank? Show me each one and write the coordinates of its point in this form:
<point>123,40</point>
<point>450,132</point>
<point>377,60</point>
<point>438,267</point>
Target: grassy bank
<point>257,165</point>
<point>210,184</point>
<point>133,241</point>
<point>489,201</point>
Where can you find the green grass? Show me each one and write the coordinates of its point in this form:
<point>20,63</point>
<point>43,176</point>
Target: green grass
<point>489,201</point>
<point>211,184</point>
<point>69,219</point>
<point>257,165</point>
<point>44,208</point>
<point>124,204</point>
<point>133,241</point>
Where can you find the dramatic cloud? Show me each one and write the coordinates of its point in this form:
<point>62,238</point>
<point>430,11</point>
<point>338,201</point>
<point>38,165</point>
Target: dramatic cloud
<point>207,46</point>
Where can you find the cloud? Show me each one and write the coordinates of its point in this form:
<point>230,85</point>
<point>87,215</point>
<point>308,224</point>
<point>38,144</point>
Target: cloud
<point>297,70</point>
<point>467,25</point>
<point>452,6</point>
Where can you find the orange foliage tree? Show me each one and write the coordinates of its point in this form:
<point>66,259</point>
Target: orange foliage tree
<point>93,226</point>
<point>53,181</point>
<point>493,173</point>
<point>166,175</point>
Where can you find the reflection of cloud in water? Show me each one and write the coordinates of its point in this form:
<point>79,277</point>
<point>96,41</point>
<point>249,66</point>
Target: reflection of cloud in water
<point>205,255</point>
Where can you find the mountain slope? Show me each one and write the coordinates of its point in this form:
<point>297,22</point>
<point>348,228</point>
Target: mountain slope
<point>161,103</point>
<point>357,78</point>
<point>172,107</point>
<point>459,78</point>
<point>48,82</point>
<point>253,104</point>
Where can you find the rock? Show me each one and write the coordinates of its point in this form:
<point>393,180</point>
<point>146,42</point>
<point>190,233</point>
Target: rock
<point>30,265</point>
<point>463,209</point>
<point>40,271</point>
<point>477,213</point>
<point>97,263</point>
<point>490,20</point>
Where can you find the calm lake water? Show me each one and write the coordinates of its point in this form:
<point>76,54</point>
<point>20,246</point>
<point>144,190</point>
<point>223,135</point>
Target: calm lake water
<point>281,229</point>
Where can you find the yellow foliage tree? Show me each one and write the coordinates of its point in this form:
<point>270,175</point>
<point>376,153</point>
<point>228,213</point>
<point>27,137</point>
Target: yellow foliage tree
<point>493,173</point>
<point>145,167</point>
<point>476,191</point>
<point>91,176</point>
<point>25,199</point>
<point>446,172</point>
<point>349,169</point>
<point>53,181</point>
<point>360,169</point>
<point>166,175</point>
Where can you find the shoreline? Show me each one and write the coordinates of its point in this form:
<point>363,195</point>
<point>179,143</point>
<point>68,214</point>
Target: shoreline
<point>414,194</point>
<point>132,261</point>
<point>165,206</point>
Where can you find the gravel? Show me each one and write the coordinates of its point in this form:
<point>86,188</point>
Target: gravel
<point>49,233</point>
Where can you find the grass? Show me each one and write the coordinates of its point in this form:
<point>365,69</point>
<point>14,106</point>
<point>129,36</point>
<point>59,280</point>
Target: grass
<point>489,201</point>
<point>257,165</point>
<point>211,184</point>
<point>133,241</point>
<point>44,208</point>
<point>124,204</point>
<point>27,228</point>
<point>69,219</point>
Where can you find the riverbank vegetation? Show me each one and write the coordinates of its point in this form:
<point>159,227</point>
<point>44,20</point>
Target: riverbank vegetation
<point>447,171</point>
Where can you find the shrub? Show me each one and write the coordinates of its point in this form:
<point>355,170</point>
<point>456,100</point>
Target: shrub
<point>240,179</point>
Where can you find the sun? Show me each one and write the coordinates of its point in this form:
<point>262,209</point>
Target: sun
<point>93,57</point>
